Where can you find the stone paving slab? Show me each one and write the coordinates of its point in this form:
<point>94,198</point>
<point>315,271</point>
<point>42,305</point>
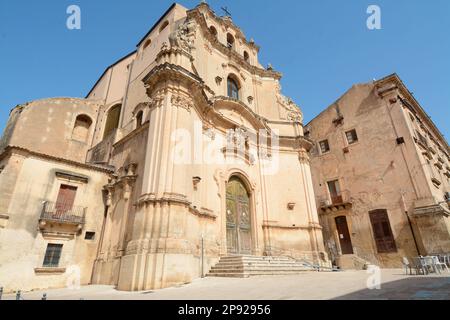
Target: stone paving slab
<point>348,285</point>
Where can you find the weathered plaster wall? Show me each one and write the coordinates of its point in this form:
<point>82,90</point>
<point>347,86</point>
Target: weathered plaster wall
<point>23,245</point>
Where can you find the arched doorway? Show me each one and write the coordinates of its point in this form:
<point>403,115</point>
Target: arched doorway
<point>239,231</point>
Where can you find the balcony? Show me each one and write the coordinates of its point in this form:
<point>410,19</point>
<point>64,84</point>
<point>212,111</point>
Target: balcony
<point>341,201</point>
<point>61,218</point>
<point>101,153</point>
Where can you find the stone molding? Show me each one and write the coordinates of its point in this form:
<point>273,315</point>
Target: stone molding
<point>46,271</point>
<point>28,153</point>
<point>434,210</point>
<point>230,53</point>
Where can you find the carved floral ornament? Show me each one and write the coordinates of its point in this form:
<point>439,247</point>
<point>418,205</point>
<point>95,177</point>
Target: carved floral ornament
<point>294,113</point>
<point>180,101</point>
<point>124,180</point>
<point>303,156</point>
<point>183,37</point>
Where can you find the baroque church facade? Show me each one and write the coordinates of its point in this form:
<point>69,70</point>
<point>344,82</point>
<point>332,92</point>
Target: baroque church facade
<point>183,152</point>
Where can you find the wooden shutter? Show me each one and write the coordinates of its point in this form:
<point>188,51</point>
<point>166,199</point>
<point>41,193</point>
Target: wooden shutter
<point>66,198</point>
<point>382,231</point>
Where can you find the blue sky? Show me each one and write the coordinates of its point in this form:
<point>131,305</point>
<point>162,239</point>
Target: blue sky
<point>322,47</point>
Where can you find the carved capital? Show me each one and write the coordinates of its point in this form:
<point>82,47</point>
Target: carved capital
<point>303,157</point>
<point>180,101</point>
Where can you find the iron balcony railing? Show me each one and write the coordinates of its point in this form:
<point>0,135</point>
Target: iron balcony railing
<point>62,213</point>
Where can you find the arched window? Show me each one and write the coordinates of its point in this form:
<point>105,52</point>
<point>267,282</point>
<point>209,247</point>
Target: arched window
<point>81,128</point>
<point>147,43</point>
<point>213,30</point>
<point>139,119</point>
<point>163,26</point>
<point>230,41</point>
<point>246,56</point>
<point>112,120</point>
<point>233,88</point>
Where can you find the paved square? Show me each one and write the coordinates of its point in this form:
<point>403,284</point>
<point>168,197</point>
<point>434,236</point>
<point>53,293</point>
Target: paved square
<point>307,286</point>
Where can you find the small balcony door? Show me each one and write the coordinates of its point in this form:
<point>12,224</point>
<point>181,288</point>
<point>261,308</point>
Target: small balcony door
<point>65,200</point>
<point>335,192</point>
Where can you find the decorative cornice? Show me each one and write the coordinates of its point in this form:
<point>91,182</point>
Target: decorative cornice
<point>269,225</point>
<point>206,107</point>
<point>230,53</point>
<point>431,210</point>
<point>25,152</point>
<point>410,102</point>
<point>226,21</point>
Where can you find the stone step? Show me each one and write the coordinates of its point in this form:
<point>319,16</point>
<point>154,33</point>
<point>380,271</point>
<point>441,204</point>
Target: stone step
<point>265,263</point>
<point>256,273</point>
<point>242,270</point>
<point>228,275</point>
<point>246,266</point>
<point>254,258</point>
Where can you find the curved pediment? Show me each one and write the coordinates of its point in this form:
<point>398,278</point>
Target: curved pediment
<point>238,113</point>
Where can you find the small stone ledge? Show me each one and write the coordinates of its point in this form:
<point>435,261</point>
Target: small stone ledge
<point>49,271</point>
<point>203,212</point>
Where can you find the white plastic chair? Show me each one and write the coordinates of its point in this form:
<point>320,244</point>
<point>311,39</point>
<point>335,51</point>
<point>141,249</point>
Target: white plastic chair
<point>438,265</point>
<point>407,265</point>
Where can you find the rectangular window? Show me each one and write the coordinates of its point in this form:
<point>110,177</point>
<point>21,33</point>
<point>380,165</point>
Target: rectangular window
<point>335,192</point>
<point>52,255</point>
<point>324,146</point>
<point>382,231</point>
<point>352,137</point>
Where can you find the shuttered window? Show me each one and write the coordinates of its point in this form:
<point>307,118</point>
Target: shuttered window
<point>352,137</point>
<point>324,146</point>
<point>382,231</point>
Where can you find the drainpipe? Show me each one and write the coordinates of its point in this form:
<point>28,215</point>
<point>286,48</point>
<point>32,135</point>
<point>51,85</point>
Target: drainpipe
<point>409,173</point>
<point>413,234</point>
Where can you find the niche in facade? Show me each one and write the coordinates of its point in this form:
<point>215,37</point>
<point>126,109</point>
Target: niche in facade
<point>81,128</point>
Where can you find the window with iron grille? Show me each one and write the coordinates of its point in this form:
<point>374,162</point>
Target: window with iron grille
<point>352,137</point>
<point>324,146</point>
<point>52,255</point>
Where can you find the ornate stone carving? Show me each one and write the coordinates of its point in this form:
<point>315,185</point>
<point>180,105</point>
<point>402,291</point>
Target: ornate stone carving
<point>293,111</point>
<point>208,130</point>
<point>303,156</point>
<point>219,177</point>
<point>183,36</point>
<point>181,102</point>
<point>208,48</point>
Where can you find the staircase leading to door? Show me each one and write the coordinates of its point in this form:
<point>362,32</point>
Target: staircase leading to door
<point>246,266</point>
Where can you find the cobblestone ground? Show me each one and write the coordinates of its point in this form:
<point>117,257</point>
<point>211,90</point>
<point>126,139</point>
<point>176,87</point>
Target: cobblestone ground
<point>307,286</point>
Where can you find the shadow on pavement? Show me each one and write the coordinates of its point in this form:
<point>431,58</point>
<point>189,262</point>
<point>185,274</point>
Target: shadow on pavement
<point>420,288</point>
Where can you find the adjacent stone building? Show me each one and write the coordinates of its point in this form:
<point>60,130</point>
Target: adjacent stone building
<point>381,175</point>
<point>184,151</point>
